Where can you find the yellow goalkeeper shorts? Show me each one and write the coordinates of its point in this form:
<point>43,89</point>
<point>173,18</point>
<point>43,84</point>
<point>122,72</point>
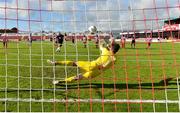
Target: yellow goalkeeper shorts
<point>86,65</point>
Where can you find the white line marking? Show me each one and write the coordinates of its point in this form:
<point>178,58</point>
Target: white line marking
<point>89,100</point>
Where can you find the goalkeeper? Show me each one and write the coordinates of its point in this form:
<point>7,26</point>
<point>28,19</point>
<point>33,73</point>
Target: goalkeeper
<point>93,68</point>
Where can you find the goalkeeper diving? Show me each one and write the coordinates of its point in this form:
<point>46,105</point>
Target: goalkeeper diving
<point>91,69</point>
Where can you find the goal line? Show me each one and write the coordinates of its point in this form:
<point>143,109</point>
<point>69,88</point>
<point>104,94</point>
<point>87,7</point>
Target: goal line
<point>91,100</point>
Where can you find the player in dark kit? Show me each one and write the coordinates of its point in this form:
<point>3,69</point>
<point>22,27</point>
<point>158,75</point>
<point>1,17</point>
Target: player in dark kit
<point>30,39</point>
<point>84,41</point>
<point>59,41</point>
<point>133,42</point>
<point>97,41</point>
<point>73,38</point>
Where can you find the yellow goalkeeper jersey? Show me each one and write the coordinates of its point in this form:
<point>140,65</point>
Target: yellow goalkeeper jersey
<point>104,61</point>
<point>105,58</point>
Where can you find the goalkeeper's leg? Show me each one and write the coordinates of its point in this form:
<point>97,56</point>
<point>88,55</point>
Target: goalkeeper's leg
<point>86,75</point>
<point>68,63</point>
<point>69,79</point>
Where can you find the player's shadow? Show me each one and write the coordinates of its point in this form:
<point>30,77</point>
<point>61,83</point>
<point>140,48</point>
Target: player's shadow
<point>149,86</point>
<point>117,86</point>
<point>141,48</point>
<point>62,88</point>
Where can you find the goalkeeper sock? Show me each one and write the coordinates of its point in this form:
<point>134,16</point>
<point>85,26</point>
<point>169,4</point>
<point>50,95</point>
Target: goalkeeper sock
<point>58,49</point>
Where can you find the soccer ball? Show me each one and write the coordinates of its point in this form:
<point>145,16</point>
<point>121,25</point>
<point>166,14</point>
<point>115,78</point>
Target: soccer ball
<point>92,29</point>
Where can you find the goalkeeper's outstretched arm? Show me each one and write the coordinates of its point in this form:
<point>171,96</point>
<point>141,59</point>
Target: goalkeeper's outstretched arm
<point>68,63</point>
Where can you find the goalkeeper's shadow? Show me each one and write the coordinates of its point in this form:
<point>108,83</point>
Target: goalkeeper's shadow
<point>161,85</point>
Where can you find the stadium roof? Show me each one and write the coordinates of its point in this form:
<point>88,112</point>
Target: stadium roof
<point>175,20</point>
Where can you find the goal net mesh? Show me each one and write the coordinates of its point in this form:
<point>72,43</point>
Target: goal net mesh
<point>144,77</point>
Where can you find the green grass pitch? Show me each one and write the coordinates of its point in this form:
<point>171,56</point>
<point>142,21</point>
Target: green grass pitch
<point>136,76</point>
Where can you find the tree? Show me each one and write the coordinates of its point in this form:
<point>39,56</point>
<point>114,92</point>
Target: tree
<point>14,30</point>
